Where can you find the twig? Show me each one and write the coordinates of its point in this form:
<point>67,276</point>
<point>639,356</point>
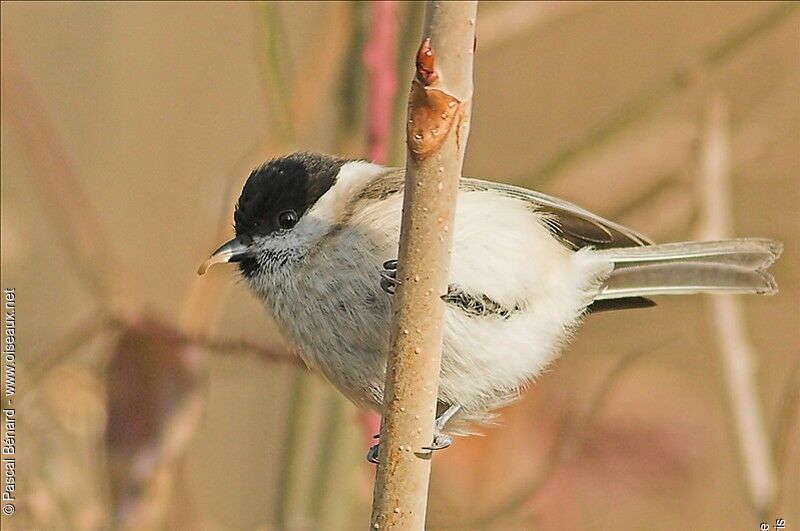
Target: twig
<point>291,98</point>
<point>288,476</point>
<point>410,28</point>
<point>274,58</point>
<point>736,351</point>
<point>348,137</point>
<point>381,67</point>
<point>379,55</point>
<point>438,125</point>
<point>205,299</point>
<point>54,170</point>
<point>647,101</point>
<point>267,353</point>
<point>508,21</point>
<point>97,323</point>
<point>319,72</point>
<point>783,430</point>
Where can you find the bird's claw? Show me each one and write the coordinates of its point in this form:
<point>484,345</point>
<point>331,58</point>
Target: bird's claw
<point>440,442</point>
<point>389,276</point>
<point>372,455</point>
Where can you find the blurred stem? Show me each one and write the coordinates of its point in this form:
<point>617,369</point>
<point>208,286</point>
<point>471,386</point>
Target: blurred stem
<point>267,353</point>
<point>410,28</point>
<point>345,464</point>
<point>331,492</point>
<point>321,70</point>
<point>641,200</point>
<point>292,459</point>
<point>511,20</point>
<point>92,327</point>
<point>379,63</point>
<point>737,354</point>
<point>327,454</point>
<point>787,413</point>
<point>206,298</point>
<point>304,492</point>
<point>275,56</point>
<point>207,295</point>
<point>63,199</point>
<point>646,102</point>
<point>643,203</point>
<point>783,429</point>
<point>351,88</point>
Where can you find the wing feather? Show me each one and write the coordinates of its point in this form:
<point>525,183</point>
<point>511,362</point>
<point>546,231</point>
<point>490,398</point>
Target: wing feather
<point>574,226</point>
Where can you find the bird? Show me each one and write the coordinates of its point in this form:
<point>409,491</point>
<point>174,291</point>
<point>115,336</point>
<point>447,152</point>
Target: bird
<point>317,241</point>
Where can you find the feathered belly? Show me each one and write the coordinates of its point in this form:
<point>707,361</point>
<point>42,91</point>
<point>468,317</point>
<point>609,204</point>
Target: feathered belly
<point>342,331</point>
<point>488,360</point>
<point>485,360</point>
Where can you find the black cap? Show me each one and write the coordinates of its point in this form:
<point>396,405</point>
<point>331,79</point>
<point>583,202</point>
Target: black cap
<point>291,183</point>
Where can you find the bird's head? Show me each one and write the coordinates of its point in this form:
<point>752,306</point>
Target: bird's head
<point>287,206</point>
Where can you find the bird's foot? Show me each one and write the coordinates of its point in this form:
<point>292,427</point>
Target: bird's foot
<point>389,276</point>
<point>372,455</point>
<point>440,442</point>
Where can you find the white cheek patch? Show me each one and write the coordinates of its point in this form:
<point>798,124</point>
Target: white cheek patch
<point>353,176</point>
<point>307,233</point>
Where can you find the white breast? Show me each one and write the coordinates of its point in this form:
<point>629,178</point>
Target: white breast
<point>333,308</point>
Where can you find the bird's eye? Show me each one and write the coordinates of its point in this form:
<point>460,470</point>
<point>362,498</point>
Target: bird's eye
<point>287,219</point>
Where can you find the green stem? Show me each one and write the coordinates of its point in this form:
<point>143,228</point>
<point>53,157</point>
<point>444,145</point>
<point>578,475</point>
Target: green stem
<point>330,447</point>
<point>298,401</point>
<point>274,61</point>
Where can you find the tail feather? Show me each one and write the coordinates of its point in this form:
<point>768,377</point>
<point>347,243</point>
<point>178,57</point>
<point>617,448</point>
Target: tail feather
<point>728,266</point>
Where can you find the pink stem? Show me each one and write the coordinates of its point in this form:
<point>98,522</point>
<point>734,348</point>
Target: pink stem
<point>380,63</point>
<point>379,60</point>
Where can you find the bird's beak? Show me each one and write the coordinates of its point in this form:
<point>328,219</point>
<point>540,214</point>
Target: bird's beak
<point>232,251</point>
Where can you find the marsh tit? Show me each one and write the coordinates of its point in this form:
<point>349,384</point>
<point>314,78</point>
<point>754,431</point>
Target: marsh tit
<point>316,241</point>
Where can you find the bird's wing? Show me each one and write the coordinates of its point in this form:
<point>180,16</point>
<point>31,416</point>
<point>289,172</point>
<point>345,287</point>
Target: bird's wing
<point>574,227</point>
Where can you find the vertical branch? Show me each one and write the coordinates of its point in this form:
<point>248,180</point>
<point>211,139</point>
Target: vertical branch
<point>319,72</point>
<point>274,57</point>
<point>55,173</point>
<point>381,67</point>
<point>736,350</point>
<point>437,129</point>
<point>350,94</point>
<point>409,27</point>
<point>648,101</point>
